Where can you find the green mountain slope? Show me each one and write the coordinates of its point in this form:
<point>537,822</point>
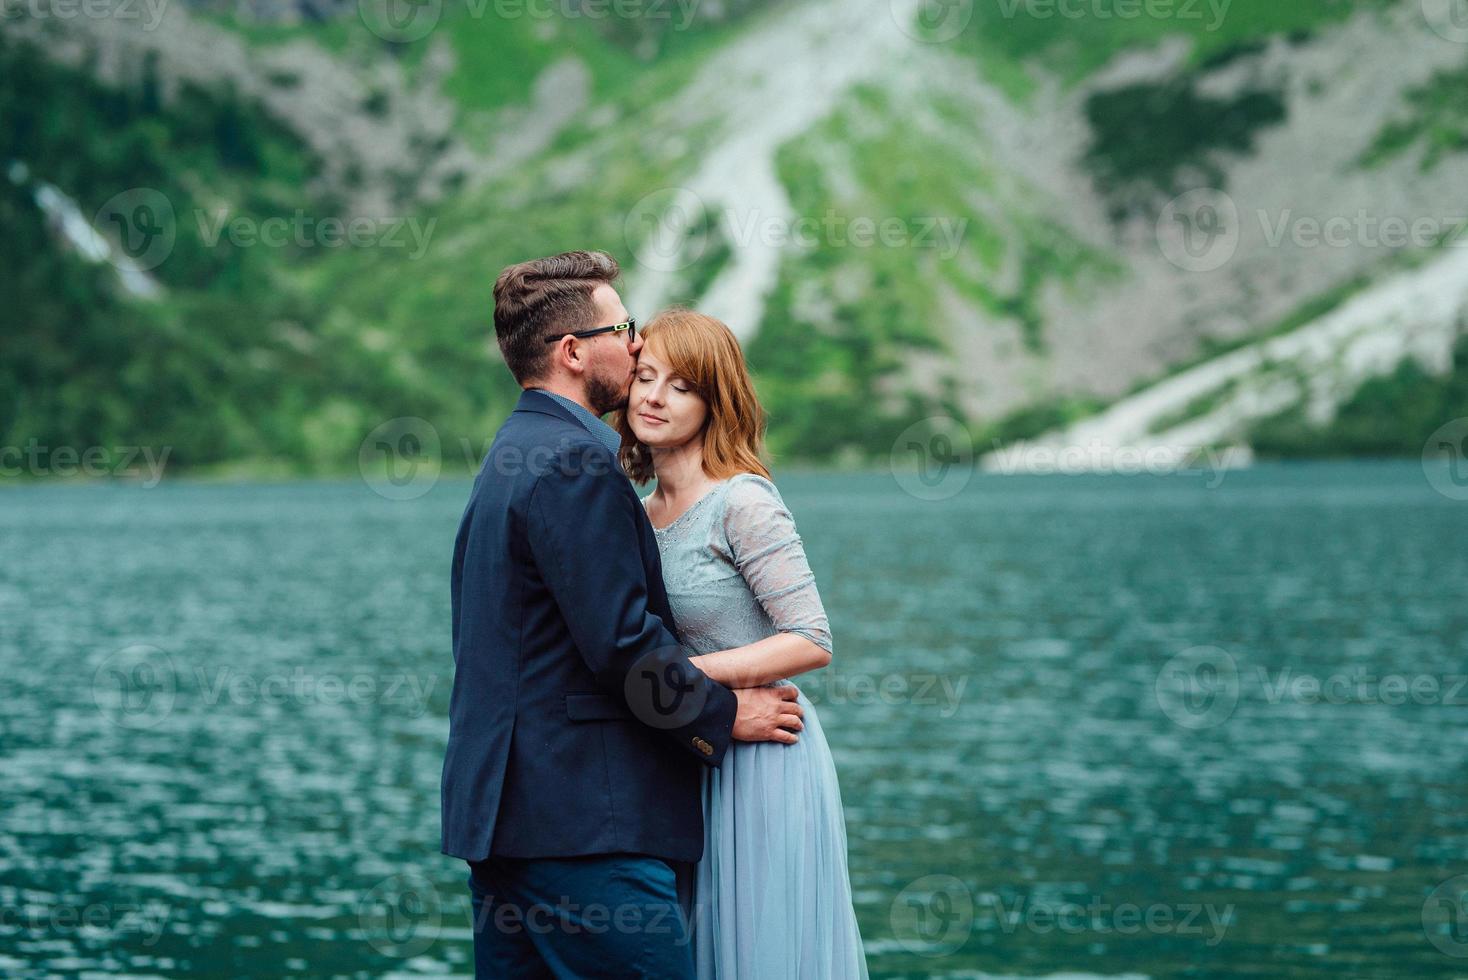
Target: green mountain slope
<point>1022,163</point>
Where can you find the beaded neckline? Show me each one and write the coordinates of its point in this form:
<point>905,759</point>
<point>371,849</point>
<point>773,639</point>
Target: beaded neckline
<point>692,507</point>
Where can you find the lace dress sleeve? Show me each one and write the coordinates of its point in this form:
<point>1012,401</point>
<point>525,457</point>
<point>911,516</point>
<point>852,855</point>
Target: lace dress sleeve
<point>767,551</point>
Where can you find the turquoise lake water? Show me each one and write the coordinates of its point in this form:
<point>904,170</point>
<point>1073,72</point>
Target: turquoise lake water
<point>1100,726</point>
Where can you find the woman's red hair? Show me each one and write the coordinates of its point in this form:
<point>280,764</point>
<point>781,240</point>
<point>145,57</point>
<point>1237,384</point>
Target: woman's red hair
<point>703,352</point>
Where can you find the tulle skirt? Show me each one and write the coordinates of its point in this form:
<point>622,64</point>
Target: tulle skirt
<point>772,899</point>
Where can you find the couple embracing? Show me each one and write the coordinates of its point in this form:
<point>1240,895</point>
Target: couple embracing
<point>638,788</point>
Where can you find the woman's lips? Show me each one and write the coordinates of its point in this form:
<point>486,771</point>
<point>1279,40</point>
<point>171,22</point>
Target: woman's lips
<point>650,419</point>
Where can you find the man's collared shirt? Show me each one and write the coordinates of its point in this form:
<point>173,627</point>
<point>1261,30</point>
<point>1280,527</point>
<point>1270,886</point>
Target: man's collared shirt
<point>609,436</point>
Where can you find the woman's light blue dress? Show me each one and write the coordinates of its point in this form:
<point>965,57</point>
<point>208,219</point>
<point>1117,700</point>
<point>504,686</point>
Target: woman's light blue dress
<point>772,899</point>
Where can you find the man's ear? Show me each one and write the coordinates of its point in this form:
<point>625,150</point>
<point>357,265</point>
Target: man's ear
<point>567,355</point>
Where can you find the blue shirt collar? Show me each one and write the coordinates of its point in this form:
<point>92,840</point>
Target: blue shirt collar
<point>609,436</point>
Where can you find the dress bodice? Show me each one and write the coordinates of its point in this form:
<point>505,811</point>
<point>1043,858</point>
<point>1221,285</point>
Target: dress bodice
<point>736,572</point>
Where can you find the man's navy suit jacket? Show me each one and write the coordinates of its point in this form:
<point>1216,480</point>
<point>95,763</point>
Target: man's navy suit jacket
<point>576,725</point>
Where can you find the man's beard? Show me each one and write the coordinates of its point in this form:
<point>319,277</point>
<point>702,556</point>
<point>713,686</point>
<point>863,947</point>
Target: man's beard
<point>604,396</point>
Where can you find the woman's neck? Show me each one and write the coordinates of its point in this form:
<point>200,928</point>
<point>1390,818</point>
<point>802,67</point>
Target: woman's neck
<point>679,470</point>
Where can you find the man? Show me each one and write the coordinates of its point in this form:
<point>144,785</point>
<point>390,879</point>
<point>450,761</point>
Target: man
<point>577,727</point>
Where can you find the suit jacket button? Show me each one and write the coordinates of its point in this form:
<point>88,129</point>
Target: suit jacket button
<point>703,746</point>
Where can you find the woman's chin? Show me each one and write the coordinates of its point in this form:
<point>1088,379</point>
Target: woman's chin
<point>653,439</point>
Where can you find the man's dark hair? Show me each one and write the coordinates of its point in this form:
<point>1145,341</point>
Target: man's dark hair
<point>545,298</point>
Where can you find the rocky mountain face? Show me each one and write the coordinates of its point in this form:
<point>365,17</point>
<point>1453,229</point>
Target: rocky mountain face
<point>1015,214</point>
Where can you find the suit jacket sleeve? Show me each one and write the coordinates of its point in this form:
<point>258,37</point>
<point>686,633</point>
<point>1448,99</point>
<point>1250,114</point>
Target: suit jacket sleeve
<point>583,536</point>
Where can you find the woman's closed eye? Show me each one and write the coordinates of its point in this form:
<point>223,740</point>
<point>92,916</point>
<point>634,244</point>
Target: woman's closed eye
<point>647,379</point>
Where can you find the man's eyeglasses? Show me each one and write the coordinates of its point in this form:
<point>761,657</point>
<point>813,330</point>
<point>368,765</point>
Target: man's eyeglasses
<point>630,326</point>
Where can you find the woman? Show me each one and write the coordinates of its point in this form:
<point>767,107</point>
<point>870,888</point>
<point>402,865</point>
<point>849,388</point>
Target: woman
<point>773,900</point>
